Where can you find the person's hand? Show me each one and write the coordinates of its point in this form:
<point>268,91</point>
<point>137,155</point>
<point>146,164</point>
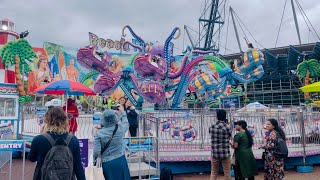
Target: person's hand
<point>120,108</point>
<point>132,107</point>
<point>262,147</point>
<point>231,143</point>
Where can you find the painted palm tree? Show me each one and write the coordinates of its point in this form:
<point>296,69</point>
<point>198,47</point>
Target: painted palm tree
<point>308,69</point>
<point>18,53</point>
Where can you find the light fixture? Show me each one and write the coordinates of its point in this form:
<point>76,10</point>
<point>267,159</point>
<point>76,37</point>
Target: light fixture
<point>24,34</point>
<point>5,27</point>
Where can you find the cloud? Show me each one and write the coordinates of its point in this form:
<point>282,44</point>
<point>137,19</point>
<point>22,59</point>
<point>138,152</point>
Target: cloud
<point>68,22</point>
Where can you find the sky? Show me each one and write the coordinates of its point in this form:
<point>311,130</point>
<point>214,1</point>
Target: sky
<point>67,22</point>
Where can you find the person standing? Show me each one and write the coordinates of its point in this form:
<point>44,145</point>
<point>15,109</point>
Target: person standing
<point>245,162</point>
<point>273,165</point>
<point>132,118</point>
<point>220,140</point>
<point>72,111</point>
<point>56,133</point>
<point>114,125</point>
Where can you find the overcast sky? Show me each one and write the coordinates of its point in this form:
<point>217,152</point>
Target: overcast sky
<point>68,22</point>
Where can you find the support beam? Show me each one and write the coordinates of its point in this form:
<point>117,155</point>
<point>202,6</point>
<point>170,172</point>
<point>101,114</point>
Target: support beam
<point>188,34</point>
<point>235,29</point>
<point>296,21</point>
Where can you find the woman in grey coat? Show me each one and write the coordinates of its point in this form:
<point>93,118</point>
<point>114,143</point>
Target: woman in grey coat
<point>114,163</point>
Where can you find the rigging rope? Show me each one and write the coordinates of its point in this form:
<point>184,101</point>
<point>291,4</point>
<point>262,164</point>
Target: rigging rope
<point>305,16</point>
<point>227,32</point>
<point>247,29</point>
<point>284,8</point>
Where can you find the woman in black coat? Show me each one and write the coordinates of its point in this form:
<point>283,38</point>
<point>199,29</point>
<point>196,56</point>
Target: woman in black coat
<point>132,118</point>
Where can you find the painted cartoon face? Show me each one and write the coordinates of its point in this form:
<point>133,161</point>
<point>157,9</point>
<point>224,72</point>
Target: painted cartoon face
<point>42,64</point>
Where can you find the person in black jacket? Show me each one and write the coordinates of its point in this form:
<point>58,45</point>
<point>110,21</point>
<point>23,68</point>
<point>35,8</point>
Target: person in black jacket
<point>132,118</point>
<point>57,127</point>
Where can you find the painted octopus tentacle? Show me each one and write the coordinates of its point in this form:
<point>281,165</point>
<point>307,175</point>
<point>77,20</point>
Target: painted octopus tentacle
<point>141,41</point>
<point>178,73</point>
<point>134,46</point>
<point>202,52</point>
<point>167,43</point>
<point>222,85</point>
<point>242,78</point>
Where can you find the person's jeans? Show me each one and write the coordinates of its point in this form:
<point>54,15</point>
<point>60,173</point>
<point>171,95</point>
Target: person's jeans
<point>226,164</point>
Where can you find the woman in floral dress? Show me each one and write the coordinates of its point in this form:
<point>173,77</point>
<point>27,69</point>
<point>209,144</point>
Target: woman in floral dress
<point>273,166</point>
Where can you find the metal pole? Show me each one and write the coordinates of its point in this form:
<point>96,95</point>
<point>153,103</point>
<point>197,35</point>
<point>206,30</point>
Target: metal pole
<point>201,130</point>
<point>303,132</point>
<point>235,29</point>
<point>10,168</point>
<point>21,107</point>
<point>188,34</point>
<point>296,21</point>
<point>24,159</point>
<point>158,144</point>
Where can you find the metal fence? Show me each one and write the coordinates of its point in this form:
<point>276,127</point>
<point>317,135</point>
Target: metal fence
<point>184,133</point>
<point>5,156</point>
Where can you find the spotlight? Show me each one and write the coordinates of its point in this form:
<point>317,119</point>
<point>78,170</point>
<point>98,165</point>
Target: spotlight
<point>5,27</point>
<point>24,34</point>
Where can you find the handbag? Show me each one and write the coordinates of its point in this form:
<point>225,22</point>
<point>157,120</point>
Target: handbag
<point>97,160</point>
<point>94,172</point>
<point>280,149</point>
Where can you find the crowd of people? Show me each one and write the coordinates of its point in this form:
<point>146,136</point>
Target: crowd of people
<point>243,159</point>
<point>58,141</point>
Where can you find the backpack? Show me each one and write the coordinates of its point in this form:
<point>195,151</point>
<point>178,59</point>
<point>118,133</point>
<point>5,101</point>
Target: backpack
<point>280,149</point>
<point>166,174</point>
<point>58,163</point>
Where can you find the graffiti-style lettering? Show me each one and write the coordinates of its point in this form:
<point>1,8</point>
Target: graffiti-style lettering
<point>109,43</point>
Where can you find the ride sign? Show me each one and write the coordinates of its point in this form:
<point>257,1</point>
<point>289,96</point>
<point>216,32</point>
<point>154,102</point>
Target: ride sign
<point>11,145</point>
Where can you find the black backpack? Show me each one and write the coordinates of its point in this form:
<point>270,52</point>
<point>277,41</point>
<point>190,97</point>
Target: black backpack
<point>58,163</point>
<point>166,174</point>
<point>280,149</point>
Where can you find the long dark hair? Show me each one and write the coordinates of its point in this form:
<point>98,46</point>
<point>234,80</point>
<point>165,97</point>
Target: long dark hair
<point>278,128</point>
<point>244,126</point>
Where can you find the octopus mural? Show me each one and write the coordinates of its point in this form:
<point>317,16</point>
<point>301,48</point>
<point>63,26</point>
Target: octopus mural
<point>152,72</point>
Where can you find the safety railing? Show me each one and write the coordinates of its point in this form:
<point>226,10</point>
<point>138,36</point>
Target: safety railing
<point>183,134</point>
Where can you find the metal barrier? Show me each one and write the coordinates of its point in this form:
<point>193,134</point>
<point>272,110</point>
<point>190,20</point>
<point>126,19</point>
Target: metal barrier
<point>183,134</point>
<point>5,156</point>
<point>11,146</point>
<point>146,162</point>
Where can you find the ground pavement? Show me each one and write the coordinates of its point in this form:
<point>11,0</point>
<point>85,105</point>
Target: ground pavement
<point>29,169</point>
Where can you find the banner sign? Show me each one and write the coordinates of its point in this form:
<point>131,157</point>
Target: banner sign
<point>84,148</point>
<point>95,40</point>
<point>96,118</point>
<point>5,128</point>
<point>148,107</point>
<point>12,145</point>
<point>139,144</point>
<point>232,102</point>
<point>40,112</point>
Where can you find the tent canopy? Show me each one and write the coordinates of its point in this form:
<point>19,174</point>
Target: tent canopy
<point>254,106</point>
<point>315,87</point>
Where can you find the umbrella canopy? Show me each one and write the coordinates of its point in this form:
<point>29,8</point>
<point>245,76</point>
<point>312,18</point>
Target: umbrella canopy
<point>253,107</point>
<point>66,87</point>
<point>315,87</point>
